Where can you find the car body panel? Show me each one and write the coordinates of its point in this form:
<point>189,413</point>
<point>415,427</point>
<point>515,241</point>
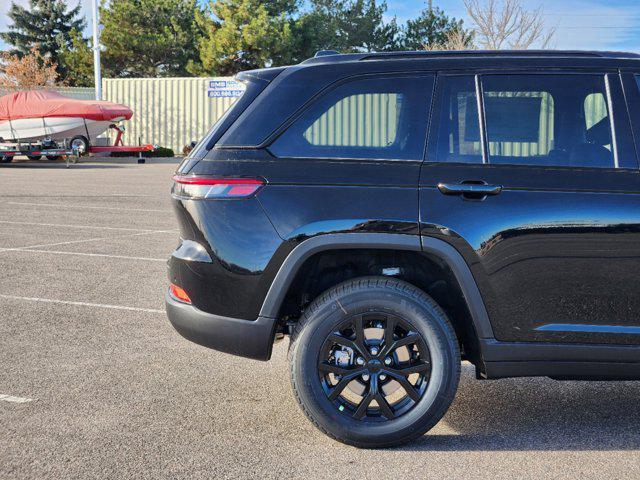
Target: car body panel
<point>558,246</point>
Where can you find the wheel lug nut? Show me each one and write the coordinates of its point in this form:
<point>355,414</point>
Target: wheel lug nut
<point>360,361</point>
<point>387,361</point>
<point>365,377</point>
<point>374,350</point>
<point>382,377</point>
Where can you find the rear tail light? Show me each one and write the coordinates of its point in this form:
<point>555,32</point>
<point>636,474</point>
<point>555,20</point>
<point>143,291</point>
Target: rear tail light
<point>206,187</point>
<point>179,294</point>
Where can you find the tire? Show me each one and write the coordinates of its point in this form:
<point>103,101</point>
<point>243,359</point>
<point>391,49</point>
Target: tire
<point>411,311</point>
<point>6,158</point>
<point>53,157</point>
<point>80,141</point>
<point>34,157</point>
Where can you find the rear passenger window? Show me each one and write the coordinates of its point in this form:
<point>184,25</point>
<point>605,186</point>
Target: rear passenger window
<point>550,119</point>
<point>458,126</point>
<point>383,118</point>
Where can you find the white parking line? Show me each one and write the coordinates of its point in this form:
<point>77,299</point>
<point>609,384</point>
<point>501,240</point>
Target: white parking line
<point>82,304</point>
<point>118,195</point>
<point>106,255</point>
<point>70,242</point>
<point>12,399</point>
<point>93,227</point>
<point>56,205</point>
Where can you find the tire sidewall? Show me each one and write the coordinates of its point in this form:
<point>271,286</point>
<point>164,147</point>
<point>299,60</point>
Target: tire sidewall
<point>424,317</point>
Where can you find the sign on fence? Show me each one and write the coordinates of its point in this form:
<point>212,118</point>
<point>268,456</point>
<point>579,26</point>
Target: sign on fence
<point>224,89</point>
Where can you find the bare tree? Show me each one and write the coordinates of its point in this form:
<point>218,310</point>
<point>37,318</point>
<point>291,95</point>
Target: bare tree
<point>507,24</point>
<point>28,72</point>
<point>454,40</point>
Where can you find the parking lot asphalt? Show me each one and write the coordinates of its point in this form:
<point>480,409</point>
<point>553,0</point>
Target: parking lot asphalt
<point>95,383</point>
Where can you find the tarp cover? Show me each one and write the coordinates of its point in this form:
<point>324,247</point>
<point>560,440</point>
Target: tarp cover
<point>43,103</point>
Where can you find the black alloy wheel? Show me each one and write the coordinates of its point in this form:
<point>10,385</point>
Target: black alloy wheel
<point>374,367</point>
<point>374,362</point>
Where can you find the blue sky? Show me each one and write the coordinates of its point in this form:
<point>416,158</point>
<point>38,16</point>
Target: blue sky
<point>580,24</point>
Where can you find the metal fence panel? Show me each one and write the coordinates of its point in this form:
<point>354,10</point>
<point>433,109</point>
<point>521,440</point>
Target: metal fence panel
<point>80,93</point>
<point>169,112</point>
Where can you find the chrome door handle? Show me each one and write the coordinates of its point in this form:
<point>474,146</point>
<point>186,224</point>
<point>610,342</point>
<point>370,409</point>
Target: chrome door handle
<point>476,189</point>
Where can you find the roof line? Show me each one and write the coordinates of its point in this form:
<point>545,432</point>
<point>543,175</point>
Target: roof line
<point>335,58</point>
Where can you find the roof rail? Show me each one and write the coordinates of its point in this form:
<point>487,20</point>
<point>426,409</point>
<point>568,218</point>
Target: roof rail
<point>501,53</point>
<point>322,57</point>
<point>324,53</point>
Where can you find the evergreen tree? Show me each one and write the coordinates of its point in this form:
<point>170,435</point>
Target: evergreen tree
<point>45,25</point>
<point>150,38</point>
<point>246,34</point>
<point>362,27</point>
<point>78,61</point>
<point>346,26</point>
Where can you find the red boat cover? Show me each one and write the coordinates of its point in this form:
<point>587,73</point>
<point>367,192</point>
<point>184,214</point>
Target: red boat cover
<point>43,103</point>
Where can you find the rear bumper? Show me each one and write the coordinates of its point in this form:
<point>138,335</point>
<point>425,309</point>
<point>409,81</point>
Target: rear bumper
<point>245,338</point>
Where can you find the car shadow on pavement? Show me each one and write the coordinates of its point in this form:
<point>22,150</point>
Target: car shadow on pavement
<point>537,414</point>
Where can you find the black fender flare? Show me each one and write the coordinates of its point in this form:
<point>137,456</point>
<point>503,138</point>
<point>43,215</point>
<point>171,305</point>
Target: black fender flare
<point>295,259</point>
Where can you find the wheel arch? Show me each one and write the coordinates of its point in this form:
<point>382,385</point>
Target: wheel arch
<point>381,241</point>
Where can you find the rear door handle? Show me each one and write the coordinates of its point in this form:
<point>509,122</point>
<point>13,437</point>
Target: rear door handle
<point>471,189</point>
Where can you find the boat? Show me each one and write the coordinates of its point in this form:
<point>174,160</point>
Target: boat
<point>36,115</point>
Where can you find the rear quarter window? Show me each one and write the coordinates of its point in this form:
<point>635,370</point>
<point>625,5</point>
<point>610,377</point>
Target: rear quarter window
<point>372,118</point>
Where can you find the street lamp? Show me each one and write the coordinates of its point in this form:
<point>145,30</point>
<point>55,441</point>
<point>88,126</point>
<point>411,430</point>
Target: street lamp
<point>96,51</point>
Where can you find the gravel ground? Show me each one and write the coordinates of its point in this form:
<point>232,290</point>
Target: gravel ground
<point>115,392</point>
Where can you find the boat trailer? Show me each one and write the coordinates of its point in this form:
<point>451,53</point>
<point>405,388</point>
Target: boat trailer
<point>72,154</point>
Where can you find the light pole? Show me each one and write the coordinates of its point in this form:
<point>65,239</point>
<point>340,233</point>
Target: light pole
<point>96,51</point>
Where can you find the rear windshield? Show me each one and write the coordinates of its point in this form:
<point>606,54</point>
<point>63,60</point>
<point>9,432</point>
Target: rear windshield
<point>252,89</point>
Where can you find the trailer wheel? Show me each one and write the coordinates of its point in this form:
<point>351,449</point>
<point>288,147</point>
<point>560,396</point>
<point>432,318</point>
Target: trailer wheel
<point>80,143</point>
<point>53,157</point>
<point>34,157</point>
<point>6,158</point>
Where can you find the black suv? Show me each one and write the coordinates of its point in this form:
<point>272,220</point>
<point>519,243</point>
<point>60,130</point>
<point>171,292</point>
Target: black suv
<point>396,213</point>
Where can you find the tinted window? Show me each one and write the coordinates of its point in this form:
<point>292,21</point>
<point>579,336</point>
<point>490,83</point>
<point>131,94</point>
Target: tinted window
<point>595,109</point>
<point>383,118</point>
<point>458,126</point>
<point>559,120</point>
